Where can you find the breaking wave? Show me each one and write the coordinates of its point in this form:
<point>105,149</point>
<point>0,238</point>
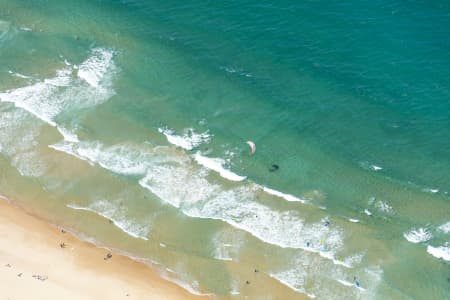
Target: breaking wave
<point>419,235</point>
<point>64,92</point>
<point>117,216</point>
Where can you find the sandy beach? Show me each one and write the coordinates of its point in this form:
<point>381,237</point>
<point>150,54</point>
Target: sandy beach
<point>40,261</point>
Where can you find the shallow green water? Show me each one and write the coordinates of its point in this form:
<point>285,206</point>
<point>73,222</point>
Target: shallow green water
<point>127,121</point>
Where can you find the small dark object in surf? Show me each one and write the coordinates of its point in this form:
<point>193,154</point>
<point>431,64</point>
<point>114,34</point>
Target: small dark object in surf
<point>108,256</point>
<point>274,167</point>
<point>247,282</point>
<point>62,245</point>
<point>256,271</point>
<point>63,231</point>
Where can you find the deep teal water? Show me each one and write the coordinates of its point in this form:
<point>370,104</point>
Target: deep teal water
<point>349,100</point>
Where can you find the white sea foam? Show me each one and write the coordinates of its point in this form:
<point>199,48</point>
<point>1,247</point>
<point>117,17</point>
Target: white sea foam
<point>17,131</point>
<point>94,69</point>
<point>440,252</point>
<point>19,75</point>
<point>430,190</point>
<point>120,159</point>
<point>177,181</point>
<point>367,212</point>
<point>348,283</point>
<point>234,288</point>
<point>353,220</point>
<point>419,235</point>
<point>190,191</point>
<point>188,140</point>
<point>34,98</point>
<point>286,278</point>
<point>18,139</point>
<point>383,207</point>
<point>376,168</point>
<point>5,30</point>
<point>445,227</point>
<point>171,184</point>
<point>29,164</point>
<point>345,282</point>
<point>190,286</point>
<point>227,244</point>
<point>50,97</point>
<point>68,135</point>
<point>369,166</point>
<point>286,197</point>
<point>117,216</point>
<point>216,164</point>
<point>125,159</point>
<point>70,149</point>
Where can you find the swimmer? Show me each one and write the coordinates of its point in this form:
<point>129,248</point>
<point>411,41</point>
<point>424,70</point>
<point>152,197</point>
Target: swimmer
<point>274,167</point>
<point>357,284</point>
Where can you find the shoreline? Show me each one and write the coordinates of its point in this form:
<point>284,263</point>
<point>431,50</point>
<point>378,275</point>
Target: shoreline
<point>38,258</point>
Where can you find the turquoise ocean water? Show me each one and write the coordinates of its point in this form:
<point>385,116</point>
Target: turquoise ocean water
<point>127,121</point>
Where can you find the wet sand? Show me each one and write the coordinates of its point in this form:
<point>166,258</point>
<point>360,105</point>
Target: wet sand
<point>40,261</point>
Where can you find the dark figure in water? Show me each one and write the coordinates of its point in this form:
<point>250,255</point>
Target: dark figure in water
<point>357,284</point>
<point>274,168</point>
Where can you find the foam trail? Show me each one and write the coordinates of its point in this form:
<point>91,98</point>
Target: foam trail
<point>445,227</point>
<point>19,75</point>
<point>5,31</point>
<point>347,283</point>
<point>286,197</point>
<point>418,235</point>
<point>376,168</point>
<point>216,164</point>
<point>430,190</point>
<point>440,252</point>
<point>353,220</point>
<point>109,211</point>
<point>69,148</point>
<point>188,141</point>
<point>285,282</point>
